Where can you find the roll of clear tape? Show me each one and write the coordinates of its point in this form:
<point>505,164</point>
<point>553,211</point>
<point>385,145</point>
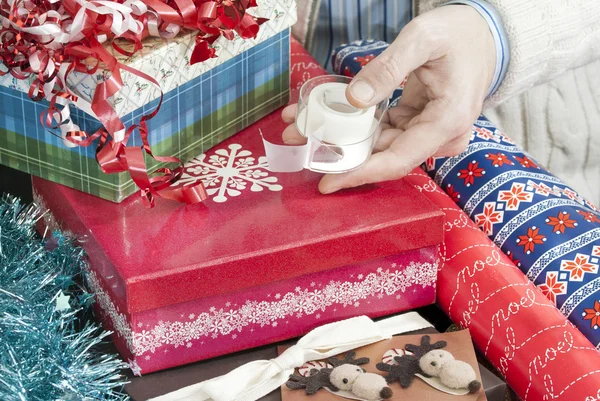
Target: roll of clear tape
<point>340,137</point>
<point>342,123</point>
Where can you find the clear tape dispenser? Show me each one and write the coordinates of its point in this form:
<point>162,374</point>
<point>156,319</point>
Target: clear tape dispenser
<point>340,137</point>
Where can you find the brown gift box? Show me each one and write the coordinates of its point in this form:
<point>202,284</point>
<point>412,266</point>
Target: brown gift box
<point>459,345</point>
<point>159,383</point>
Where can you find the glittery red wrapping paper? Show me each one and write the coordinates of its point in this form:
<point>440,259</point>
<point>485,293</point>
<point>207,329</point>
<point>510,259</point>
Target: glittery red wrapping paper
<point>541,354</point>
<point>266,258</point>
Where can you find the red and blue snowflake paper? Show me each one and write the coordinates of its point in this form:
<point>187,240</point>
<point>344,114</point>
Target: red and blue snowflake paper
<point>546,228</point>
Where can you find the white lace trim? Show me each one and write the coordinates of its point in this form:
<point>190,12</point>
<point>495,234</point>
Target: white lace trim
<point>224,321</point>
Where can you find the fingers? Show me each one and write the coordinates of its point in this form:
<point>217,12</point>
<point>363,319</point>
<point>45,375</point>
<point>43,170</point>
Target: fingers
<point>288,115</point>
<point>406,152</point>
<point>384,74</point>
<point>400,116</point>
<point>435,126</point>
<point>291,136</point>
<point>387,137</point>
<point>414,94</point>
<point>455,147</point>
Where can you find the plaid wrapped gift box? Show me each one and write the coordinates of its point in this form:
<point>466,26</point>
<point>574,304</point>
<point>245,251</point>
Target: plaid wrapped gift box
<point>203,104</point>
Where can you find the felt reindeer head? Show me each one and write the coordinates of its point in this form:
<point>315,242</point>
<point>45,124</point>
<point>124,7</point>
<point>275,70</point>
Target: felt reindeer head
<point>407,365</point>
<point>344,377</point>
<point>321,378</point>
<point>432,364</point>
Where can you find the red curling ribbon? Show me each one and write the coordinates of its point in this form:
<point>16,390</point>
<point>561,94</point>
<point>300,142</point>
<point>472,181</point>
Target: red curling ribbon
<point>207,10</point>
<point>188,12</point>
<point>248,27</point>
<point>202,52</point>
<point>136,40</point>
<point>167,14</point>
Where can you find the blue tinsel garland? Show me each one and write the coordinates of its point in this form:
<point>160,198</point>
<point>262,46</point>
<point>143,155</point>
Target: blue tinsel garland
<point>48,347</point>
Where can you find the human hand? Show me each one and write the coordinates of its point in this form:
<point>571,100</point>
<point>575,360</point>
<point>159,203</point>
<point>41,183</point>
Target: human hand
<point>449,57</point>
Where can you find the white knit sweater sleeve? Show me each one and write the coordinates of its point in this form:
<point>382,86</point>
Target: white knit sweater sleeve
<point>547,38</point>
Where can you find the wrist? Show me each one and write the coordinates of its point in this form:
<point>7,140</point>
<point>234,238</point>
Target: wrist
<point>499,47</point>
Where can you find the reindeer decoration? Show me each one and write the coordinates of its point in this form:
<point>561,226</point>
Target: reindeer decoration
<point>346,375</point>
<point>430,360</point>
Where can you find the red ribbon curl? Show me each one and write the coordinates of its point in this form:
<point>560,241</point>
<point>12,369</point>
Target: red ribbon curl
<point>46,40</point>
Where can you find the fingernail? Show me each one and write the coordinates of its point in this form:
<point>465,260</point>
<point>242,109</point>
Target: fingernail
<point>328,191</point>
<point>287,120</point>
<point>362,91</point>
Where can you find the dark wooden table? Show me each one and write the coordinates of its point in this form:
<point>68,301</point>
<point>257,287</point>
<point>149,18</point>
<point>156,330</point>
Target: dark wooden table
<point>15,183</point>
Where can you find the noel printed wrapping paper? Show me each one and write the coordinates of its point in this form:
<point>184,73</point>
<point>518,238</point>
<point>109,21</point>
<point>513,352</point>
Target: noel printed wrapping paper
<point>203,103</point>
<point>545,229</point>
<point>541,354</point>
<point>265,258</point>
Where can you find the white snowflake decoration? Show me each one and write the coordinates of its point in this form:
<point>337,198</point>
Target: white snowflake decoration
<point>135,368</point>
<point>228,172</point>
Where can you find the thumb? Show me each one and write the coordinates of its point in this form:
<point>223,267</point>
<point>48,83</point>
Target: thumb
<point>384,74</point>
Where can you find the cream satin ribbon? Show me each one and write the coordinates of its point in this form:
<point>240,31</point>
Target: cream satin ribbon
<point>256,379</point>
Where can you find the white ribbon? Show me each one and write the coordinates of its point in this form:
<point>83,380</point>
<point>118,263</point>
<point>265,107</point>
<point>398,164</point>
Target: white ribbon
<point>256,379</point>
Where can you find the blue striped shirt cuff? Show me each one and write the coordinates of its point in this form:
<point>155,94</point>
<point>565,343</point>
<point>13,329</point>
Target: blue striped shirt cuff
<point>489,13</point>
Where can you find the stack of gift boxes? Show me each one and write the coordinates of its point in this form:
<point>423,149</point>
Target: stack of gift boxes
<point>201,103</point>
<point>264,257</point>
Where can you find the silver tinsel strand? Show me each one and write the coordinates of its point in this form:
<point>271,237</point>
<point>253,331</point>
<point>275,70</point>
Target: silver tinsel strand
<point>48,352</point>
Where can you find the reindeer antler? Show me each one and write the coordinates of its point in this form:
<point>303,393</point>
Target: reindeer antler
<point>348,359</point>
<point>403,372</point>
<point>318,379</point>
<point>425,346</point>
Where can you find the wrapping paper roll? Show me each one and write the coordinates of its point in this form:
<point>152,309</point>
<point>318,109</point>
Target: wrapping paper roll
<point>550,232</point>
<point>511,321</point>
<point>545,228</point>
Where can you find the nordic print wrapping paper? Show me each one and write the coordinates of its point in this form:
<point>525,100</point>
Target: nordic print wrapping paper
<point>550,232</point>
<point>544,228</point>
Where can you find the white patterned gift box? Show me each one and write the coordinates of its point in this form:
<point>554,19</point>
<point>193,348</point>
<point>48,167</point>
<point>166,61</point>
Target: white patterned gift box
<point>168,61</point>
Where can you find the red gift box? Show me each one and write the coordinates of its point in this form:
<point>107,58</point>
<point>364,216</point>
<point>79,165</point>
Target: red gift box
<point>265,258</point>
